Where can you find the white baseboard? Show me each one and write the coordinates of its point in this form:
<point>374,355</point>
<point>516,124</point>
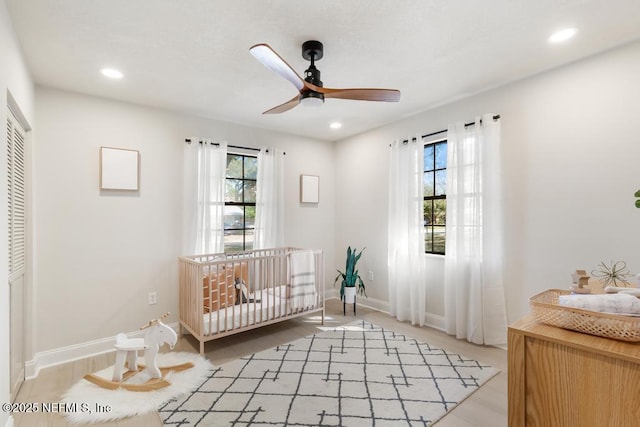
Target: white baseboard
<point>368,302</point>
<point>435,321</point>
<point>9,422</point>
<point>70,353</point>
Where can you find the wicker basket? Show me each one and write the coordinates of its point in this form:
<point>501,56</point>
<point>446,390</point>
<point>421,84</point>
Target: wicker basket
<point>546,309</point>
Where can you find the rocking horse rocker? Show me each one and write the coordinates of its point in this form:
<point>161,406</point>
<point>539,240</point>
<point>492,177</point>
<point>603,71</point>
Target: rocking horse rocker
<point>127,366</point>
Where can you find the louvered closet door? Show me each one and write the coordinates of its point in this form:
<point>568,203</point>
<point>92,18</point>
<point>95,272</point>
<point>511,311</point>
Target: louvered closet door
<point>17,247</point>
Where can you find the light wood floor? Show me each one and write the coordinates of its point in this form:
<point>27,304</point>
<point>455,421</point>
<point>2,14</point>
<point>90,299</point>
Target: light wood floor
<point>486,407</point>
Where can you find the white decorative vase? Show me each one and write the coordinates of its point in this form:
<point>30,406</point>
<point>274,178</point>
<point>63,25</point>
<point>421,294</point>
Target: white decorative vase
<point>350,295</point>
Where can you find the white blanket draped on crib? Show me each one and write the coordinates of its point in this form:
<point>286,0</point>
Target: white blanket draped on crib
<point>302,289</point>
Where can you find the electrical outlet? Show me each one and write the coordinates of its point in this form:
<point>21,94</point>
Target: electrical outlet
<point>153,298</point>
<point>371,275</point>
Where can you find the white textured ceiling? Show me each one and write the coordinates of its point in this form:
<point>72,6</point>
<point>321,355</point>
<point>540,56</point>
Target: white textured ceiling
<point>192,56</point>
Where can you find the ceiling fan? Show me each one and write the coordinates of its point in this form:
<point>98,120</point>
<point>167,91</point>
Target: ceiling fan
<point>311,90</point>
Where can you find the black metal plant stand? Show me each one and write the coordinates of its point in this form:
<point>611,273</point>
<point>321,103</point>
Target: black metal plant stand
<point>344,306</point>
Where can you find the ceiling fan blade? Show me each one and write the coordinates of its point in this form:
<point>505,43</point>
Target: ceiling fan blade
<point>363,94</point>
<point>270,59</point>
<point>284,107</point>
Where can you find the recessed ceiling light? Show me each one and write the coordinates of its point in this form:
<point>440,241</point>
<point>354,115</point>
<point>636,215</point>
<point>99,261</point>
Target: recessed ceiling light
<point>335,125</point>
<point>112,73</point>
<point>562,35</point>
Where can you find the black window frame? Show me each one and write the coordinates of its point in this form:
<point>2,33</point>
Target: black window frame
<point>433,198</point>
<point>243,204</point>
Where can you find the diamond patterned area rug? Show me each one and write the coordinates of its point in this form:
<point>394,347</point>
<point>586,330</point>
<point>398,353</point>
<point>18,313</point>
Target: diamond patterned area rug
<point>355,375</point>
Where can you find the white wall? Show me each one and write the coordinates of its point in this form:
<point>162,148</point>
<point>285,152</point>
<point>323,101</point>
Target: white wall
<point>99,254</point>
<point>570,152</point>
<point>16,80</point>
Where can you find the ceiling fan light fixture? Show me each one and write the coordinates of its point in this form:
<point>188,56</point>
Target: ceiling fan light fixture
<point>312,99</point>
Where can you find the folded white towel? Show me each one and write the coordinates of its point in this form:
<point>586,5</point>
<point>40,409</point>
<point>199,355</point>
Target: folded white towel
<point>608,303</point>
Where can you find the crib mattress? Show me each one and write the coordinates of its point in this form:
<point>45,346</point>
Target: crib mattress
<point>272,305</point>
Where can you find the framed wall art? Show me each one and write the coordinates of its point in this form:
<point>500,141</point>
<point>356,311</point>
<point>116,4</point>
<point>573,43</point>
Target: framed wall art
<point>119,169</point>
<point>309,189</point>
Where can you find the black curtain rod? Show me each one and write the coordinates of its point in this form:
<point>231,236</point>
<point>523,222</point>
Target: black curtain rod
<point>496,117</point>
<point>232,146</point>
<point>187,140</point>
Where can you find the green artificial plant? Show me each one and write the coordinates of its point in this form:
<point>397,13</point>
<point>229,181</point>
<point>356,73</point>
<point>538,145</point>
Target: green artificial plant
<point>350,276</point>
<point>637,194</point>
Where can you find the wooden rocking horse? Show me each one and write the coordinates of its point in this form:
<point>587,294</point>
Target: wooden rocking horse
<point>156,334</point>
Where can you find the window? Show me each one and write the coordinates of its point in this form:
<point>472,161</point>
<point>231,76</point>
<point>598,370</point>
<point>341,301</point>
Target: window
<point>240,202</point>
<point>435,197</point>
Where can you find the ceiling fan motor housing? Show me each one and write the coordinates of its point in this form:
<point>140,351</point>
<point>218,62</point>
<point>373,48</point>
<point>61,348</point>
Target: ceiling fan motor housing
<point>312,75</point>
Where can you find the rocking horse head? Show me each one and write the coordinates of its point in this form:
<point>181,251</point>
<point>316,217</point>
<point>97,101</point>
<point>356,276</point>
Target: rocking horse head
<point>157,333</point>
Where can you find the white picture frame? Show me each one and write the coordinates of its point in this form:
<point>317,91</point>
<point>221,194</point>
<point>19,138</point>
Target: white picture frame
<point>309,189</point>
<point>119,169</point>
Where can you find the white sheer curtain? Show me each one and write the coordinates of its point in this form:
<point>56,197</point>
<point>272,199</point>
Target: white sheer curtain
<point>269,225</point>
<point>406,232</point>
<point>205,166</point>
<point>474,291</point>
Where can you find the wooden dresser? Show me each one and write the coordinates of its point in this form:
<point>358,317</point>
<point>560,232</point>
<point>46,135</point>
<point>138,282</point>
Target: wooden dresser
<point>561,378</point>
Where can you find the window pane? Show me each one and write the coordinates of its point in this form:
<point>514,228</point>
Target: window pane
<point>248,240</point>
<point>249,191</point>
<point>428,184</point>
<point>441,155</point>
<point>234,166</point>
<point>250,167</point>
<point>428,157</point>
<point>441,182</point>
<point>233,217</point>
<point>428,212</point>
<point>428,239</point>
<point>438,239</point>
<point>249,217</point>
<point>233,190</point>
<point>233,241</point>
<point>439,211</point>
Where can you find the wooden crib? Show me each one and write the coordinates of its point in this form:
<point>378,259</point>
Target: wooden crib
<point>224,294</point>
